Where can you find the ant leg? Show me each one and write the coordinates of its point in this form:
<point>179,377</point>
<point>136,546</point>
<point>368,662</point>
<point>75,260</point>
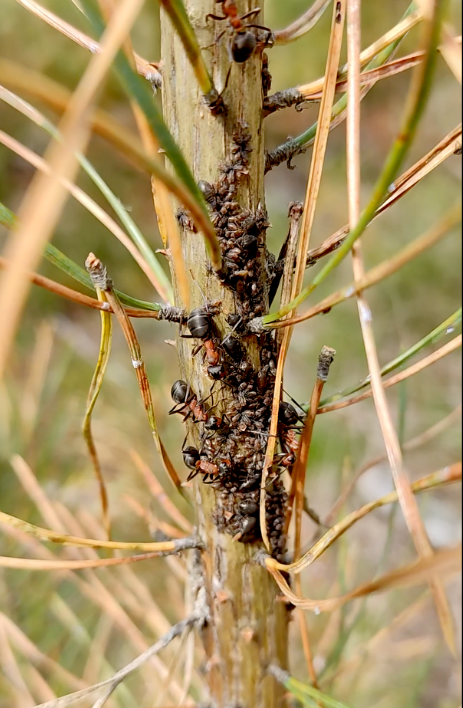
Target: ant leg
<point>187,416</point>
<point>192,475</point>
<point>216,17</point>
<point>267,29</point>
<point>226,81</point>
<point>179,407</point>
<point>229,49</point>
<point>252,13</point>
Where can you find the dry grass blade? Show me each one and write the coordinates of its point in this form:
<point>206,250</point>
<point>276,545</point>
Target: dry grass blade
<point>402,28</point>
<point>313,185</point>
<point>11,670</point>
<point>145,68</point>
<point>162,205</point>
<point>303,24</point>
<point>412,444</point>
<point>32,564</point>
<point>402,376</point>
<point>57,97</point>
<point>381,271</point>
<point>451,51</point>
<point>45,198</point>
<point>91,206</point>
<point>107,601</point>
<point>79,298</point>
<point>113,682</point>
<point>95,387</point>
<point>158,492</point>
<point>443,563</point>
<point>391,441</point>
<point>30,652</point>
<point>160,279</point>
<point>100,280</point>
<point>448,475</point>
<point>127,142</point>
<point>66,540</point>
<point>444,149</point>
<point>314,88</point>
<point>321,140</point>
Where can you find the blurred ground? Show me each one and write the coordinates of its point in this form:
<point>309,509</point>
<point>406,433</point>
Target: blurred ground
<point>58,345</point>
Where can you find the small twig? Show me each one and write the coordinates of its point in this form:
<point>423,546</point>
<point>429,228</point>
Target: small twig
<point>402,185</point>
<point>378,273</point>
<point>308,93</point>
<point>100,279</point>
<point>112,683</point>
<point>171,314</point>
<point>144,68</point>
<point>297,489</point>
<point>444,477</point>
<point>410,371</point>
<point>303,24</point>
<point>325,360</point>
<point>288,254</point>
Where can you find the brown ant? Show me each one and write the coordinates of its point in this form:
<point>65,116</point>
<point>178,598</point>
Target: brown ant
<point>198,465</point>
<point>243,41</point>
<point>186,402</point>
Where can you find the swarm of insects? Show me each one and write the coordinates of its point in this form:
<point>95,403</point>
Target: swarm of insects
<point>231,450</point>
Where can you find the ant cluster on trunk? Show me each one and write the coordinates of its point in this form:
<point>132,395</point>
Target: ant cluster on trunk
<point>231,450</point>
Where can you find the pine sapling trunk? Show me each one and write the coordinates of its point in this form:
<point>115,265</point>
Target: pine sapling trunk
<point>248,629</point>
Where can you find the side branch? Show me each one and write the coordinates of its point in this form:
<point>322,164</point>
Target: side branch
<point>111,684</point>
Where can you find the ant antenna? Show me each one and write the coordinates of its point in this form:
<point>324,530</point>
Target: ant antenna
<point>294,401</point>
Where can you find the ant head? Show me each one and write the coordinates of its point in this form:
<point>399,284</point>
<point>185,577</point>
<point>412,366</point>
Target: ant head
<point>243,44</point>
<point>288,414</point>
<point>213,422</point>
<point>233,347</point>
<point>216,372</point>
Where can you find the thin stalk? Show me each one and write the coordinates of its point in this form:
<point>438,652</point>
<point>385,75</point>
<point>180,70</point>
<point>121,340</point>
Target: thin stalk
<point>448,326</point>
<point>419,92</point>
<point>100,280</point>
<point>299,144</point>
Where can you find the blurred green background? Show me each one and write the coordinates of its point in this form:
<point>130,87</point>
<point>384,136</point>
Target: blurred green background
<point>43,400</point>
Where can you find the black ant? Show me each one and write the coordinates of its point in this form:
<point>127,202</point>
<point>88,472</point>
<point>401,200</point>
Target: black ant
<point>186,402</point>
<point>243,41</point>
<point>200,325</point>
<point>288,419</point>
<point>197,464</point>
<point>218,426</point>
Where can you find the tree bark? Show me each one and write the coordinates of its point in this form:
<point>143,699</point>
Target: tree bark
<point>248,628</point>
